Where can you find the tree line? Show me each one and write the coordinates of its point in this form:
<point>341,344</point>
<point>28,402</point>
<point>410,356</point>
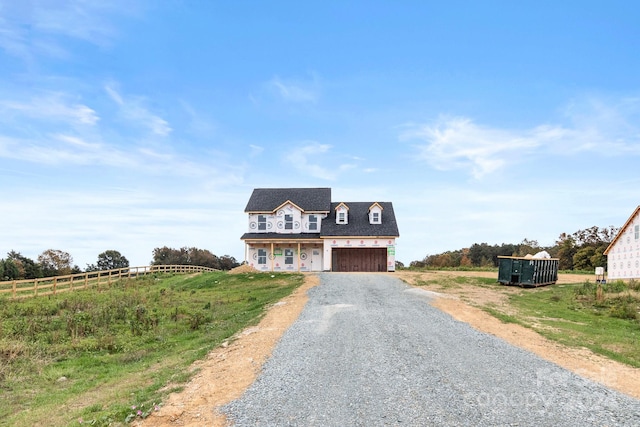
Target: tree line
<point>582,250</point>
<point>55,262</point>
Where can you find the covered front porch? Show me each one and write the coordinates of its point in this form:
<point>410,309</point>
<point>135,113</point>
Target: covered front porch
<point>284,254</point>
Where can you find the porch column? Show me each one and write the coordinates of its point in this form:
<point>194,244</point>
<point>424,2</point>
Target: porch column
<point>272,256</point>
<point>298,257</point>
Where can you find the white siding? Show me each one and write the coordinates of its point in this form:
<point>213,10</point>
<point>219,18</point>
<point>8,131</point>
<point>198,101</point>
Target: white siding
<point>623,260</point>
<point>254,223</point>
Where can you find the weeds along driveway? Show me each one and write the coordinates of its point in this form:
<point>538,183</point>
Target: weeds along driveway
<point>368,350</point>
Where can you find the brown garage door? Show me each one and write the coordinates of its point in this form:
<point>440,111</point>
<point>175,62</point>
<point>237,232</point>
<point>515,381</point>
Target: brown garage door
<point>359,259</point>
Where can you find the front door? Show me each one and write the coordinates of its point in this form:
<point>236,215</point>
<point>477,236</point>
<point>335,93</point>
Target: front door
<point>316,260</point>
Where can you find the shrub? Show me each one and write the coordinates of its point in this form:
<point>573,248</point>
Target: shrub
<point>624,310</point>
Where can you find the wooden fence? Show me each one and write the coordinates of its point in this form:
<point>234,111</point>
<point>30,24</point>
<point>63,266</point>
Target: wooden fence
<point>57,284</point>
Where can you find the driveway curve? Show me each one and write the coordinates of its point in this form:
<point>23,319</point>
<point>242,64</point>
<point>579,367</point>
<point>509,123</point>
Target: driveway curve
<point>369,350</point>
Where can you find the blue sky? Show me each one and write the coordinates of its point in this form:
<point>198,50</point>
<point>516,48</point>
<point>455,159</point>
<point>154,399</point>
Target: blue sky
<point>131,125</point>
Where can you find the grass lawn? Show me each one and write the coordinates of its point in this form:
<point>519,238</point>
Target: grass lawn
<point>605,321</point>
<point>107,356</point>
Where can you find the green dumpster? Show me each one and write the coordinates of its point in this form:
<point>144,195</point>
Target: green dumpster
<point>527,271</point>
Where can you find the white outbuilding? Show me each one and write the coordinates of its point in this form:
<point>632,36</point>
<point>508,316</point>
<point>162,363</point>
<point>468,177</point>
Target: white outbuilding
<point>623,254</point>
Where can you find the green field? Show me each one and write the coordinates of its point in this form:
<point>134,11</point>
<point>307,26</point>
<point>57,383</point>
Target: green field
<point>603,318</point>
<point>105,356</point>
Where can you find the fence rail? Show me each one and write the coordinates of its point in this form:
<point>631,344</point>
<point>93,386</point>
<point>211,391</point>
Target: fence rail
<point>58,284</point>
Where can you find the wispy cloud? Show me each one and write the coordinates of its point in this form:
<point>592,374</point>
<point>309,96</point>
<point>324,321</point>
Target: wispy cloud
<point>609,126</point>
<point>199,124</point>
<point>136,113</point>
<point>30,28</point>
<point>255,150</point>
<point>306,160</point>
<point>295,91</point>
<point>64,149</point>
<point>58,107</point>
<point>77,19</point>
<point>58,129</point>
<point>69,150</point>
<point>458,143</point>
<point>12,39</point>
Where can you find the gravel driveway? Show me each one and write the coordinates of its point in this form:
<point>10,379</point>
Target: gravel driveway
<point>368,350</point>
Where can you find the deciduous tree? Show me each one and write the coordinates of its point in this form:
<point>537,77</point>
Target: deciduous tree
<point>55,262</point>
<point>112,259</point>
<point>27,268</point>
<point>11,271</point>
<point>192,256</point>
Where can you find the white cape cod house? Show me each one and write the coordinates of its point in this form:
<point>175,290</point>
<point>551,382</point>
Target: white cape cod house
<point>623,254</point>
<point>301,229</point>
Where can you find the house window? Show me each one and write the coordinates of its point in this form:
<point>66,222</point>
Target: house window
<point>262,256</point>
<point>376,217</point>
<point>288,256</point>
<point>288,222</point>
<point>342,217</point>
<point>262,222</point>
<point>636,229</point>
<point>313,222</point>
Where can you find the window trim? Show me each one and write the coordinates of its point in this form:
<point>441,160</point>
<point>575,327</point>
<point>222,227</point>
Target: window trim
<point>288,256</point>
<point>313,222</point>
<point>262,223</point>
<point>262,256</point>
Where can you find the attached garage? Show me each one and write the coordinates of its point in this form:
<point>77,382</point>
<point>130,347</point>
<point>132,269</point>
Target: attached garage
<point>359,259</point>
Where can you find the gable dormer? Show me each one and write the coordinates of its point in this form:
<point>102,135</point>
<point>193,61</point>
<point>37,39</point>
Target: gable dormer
<point>375,213</point>
<point>342,214</point>
<point>288,216</point>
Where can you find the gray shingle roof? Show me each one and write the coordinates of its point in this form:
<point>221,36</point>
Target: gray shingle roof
<point>308,199</point>
<point>359,221</point>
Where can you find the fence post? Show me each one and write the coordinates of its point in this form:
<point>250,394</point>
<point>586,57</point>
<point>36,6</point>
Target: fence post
<point>86,280</point>
<point>35,287</point>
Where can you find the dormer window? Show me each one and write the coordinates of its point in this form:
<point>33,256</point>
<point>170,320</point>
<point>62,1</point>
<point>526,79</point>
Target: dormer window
<point>342,216</point>
<point>288,222</point>
<point>375,214</point>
